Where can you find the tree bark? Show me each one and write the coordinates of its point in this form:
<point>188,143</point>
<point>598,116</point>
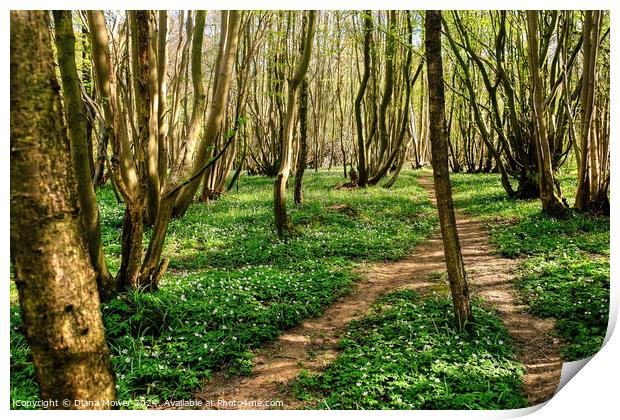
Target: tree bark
<point>182,175</point>
<point>162,87</point>
<point>551,203</point>
<point>303,142</point>
<point>146,88</point>
<point>77,131</point>
<point>443,190</point>
<point>129,174</point>
<point>228,47</point>
<point>362,164</point>
<point>588,196</point>
<point>390,50</point>
<point>55,281</point>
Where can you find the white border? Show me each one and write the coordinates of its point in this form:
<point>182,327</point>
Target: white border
<point>593,393</point>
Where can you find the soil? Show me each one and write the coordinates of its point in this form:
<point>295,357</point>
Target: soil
<point>313,344</point>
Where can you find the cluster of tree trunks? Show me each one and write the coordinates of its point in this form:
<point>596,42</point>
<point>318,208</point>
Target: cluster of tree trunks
<point>157,161</point>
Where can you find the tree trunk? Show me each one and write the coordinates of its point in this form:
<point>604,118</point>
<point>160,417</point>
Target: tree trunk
<point>162,87</point>
<point>588,166</point>
<point>221,92</point>
<point>390,49</point>
<point>386,164</point>
<point>282,222</point>
<point>77,131</point>
<point>146,89</point>
<point>55,281</point>
<point>482,127</point>
<point>87,82</point>
<point>362,165</point>
<point>439,154</point>
<point>303,142</point>
<point>182,175</point>
<point>551,203</point>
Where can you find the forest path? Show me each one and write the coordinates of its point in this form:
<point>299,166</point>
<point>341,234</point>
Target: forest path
<point>313,344</point>
<point>491,277</point>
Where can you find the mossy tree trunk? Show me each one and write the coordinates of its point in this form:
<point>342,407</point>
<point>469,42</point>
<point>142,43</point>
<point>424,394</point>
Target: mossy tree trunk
<point>56,283</point>
<point>75,114</point>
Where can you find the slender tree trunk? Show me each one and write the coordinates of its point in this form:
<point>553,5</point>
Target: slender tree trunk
<point>303,141</point>
<point>218,106</point>
<point>146,88</point>
<point>239,167</point>
<point>87,82</point>
<point>388,162</point>
<point>102,147</point>
<point>362,165</point>
<point>152,268</point>
<point>551,203</point>
<point>184,152</point>
<point>129,174</point>
<point>439,154</point>
<point>390,49</point>
<point>162,70</point>
<point>588,166</point>
<point>55,281</point>
<point>77,130</point>
<point>282,222</point>
<point>482,126</point>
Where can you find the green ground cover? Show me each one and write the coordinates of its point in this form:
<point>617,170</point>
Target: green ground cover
<point>232,284</point>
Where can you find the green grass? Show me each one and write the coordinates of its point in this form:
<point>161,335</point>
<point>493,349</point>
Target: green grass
<point>232,284</point>
<point>565,274</point>
<point>406,355</point>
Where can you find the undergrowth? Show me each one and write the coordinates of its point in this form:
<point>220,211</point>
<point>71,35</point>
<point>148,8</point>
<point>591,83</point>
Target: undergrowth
<point>406,355</point>
<point>565,273</point>
<point>232,284</point>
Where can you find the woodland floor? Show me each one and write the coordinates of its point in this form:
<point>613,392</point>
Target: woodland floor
<point>313,345</point>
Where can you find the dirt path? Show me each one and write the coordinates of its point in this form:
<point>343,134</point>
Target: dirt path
<point>312,345</point>
<point>491,277</point>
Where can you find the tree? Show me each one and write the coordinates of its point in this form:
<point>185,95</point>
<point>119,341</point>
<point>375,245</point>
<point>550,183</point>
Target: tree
<point>551,202</point>
<point>132,123</point>
<point>397,157</point>
<point>390,49</point>
<point>439,153</point>
<point>482,126</point>
<point>593,178</point>
<point>128,167</point>
<point>56,283</point>
<point>75,113</point>
<point>221,90</point>
<point>282,222</point>
<point>146,91</point>
<point>303,141</point>
<point>185,178</point>
<point>362,165</point>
